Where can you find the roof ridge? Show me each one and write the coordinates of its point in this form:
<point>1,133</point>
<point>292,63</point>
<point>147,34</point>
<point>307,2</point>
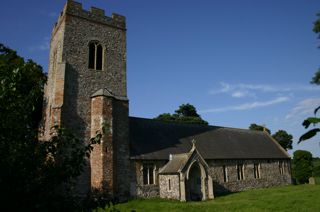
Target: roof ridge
<point>196,125</point>
<point>246,130</point>
<point>174,123</point>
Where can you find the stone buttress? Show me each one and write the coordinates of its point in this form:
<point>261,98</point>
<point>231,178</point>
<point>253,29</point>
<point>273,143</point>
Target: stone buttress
<point>87,81</point>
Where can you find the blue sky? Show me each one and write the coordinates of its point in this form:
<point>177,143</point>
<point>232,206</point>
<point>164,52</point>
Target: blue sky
<point>238,62</point>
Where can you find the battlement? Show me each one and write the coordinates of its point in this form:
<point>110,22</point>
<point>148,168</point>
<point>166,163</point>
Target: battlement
<point>97,15</point>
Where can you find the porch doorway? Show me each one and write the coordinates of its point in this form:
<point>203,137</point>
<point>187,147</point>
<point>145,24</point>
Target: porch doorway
<point>194,183</point>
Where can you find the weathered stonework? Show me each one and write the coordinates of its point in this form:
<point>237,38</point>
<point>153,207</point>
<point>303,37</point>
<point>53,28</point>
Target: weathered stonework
<point>137,187</point>
<point>171,185</point>
<point>269,174</point>
<point>89,100</point>
<point>71,84</point>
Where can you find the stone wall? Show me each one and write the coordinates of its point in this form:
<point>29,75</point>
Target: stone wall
<point>137,187</point>
<point>269,174</point>
<point>54,88</point>
<point>172,191</point>
<point>121,147</point>
<point>67,97</point>
<point>110,159</point>
<point>81,27</point>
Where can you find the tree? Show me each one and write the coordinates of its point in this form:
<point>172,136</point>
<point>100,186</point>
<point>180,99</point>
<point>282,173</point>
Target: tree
<point>316,167</point>
<point>259,128</point>
<point>35,176</point>
<point>187,110</point>
<point>283,138</point>
<point>316,171</point>
<point>315,80</point>
<point>186,113</point>
<point>302,166</point>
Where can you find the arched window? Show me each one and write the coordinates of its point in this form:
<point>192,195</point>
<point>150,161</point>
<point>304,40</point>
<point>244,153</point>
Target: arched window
<point>95,55</point>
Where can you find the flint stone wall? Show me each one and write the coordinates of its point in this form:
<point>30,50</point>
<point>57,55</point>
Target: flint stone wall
<point>174,191</point>
<point>137,188</point>
<point>269,175</point>
<point>71,36</point>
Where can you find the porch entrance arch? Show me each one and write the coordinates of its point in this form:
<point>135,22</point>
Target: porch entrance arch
<point>194,183</point>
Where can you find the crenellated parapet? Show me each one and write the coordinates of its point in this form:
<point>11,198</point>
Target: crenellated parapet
<point>73,8</point>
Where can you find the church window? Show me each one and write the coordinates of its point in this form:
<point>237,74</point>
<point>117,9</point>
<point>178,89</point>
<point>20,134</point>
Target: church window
<point>169,184</point>
<point>95,56</point>
<point>148,174</point>
<point>256,170</point>
<point>225,174</point>
<point>240,171</point>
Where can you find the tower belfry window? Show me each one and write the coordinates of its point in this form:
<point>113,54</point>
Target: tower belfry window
<point>95,56</point>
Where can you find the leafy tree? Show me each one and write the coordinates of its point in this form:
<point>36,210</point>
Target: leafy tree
<point>259,128</point>
<point>302,166</point>
<point>316,171</point>
<point>315,80</point>
<point>35,175</point>
<point>316,167</point>
<point>187,110</point>
<point>186,113</point>
<point>166,117</point>
<point>283,138</point>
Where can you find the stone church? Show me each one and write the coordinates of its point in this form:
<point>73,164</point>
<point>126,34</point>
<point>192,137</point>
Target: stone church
<point>87,92</point>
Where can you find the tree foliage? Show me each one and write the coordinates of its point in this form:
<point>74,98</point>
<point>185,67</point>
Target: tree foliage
<point>315,80</point>
<point>35,175</point>
<point>316,171</point>
<point>302,166</point>
<point>283,138</point>
<point>186,113</point>
<point>187,110</point>
<point>259,128</point>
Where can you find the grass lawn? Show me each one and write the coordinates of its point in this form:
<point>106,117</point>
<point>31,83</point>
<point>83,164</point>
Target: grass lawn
<point>288,198</point>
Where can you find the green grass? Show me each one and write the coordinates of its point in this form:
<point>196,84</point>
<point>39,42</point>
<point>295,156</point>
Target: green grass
<point>288,198</point>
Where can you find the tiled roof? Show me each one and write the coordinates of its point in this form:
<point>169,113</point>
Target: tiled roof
<point>156,140</point>
<point>176,163</point>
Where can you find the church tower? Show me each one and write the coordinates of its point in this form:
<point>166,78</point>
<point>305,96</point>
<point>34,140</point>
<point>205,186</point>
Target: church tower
<point>87,92</point>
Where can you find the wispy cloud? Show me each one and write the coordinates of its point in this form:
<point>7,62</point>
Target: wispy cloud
<point>49,14</point>
<point>239,94</point>
<point>43,46</point>
<point>247,106</point>
<point>52,14</point>
<point>304,108</point>
<point>244,90</point>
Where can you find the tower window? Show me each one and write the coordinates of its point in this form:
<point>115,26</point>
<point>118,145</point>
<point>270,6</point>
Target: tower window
<point>95,56</point>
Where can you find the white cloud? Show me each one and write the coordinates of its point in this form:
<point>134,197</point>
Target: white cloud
<point>51,14</point>
<point>243,90</point>
<point>44,46</point>
<point>304,108</point>
<point>240,94</point>
<point>247,106</point>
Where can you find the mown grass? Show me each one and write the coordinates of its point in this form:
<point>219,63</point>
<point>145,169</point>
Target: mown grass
<point>288,198</point>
